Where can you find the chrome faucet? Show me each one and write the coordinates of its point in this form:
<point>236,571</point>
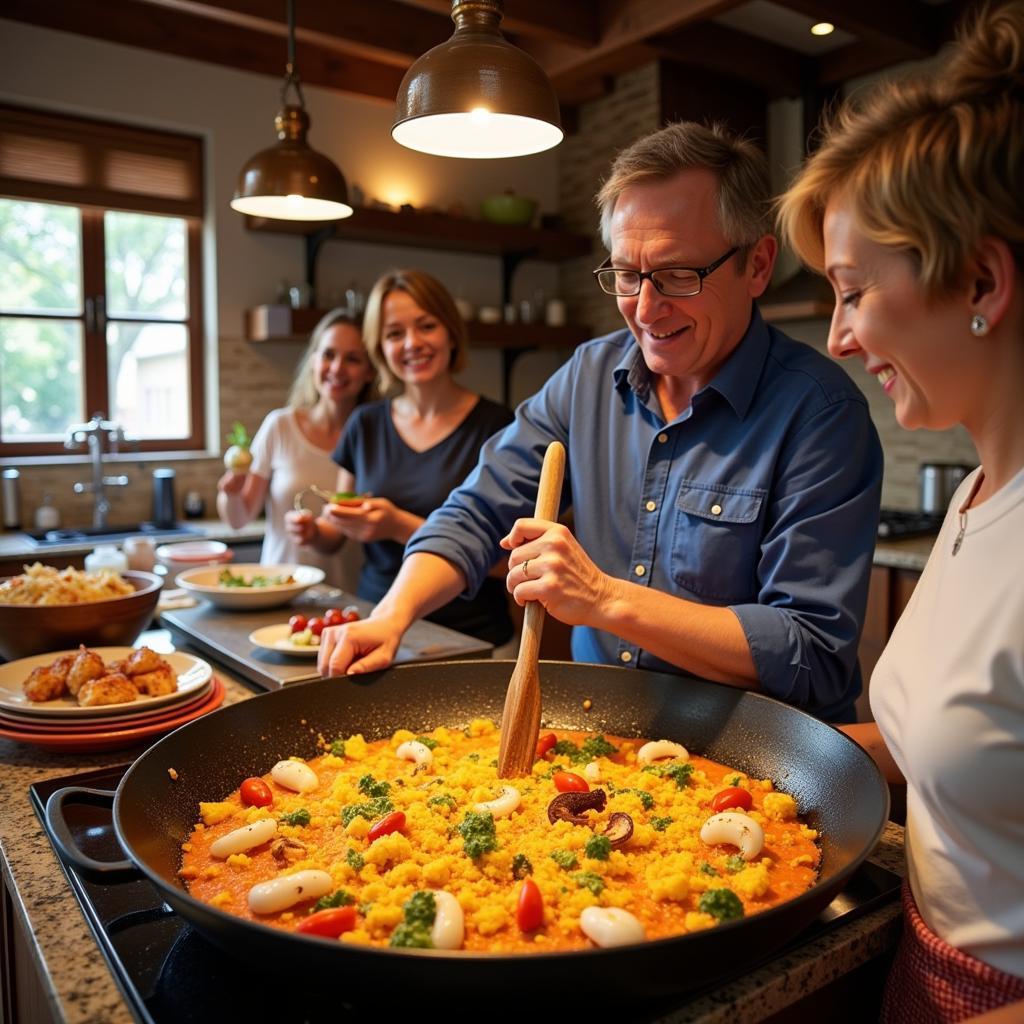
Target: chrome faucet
<point>93,434</point>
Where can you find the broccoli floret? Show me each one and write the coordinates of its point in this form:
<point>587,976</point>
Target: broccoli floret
<point>565,859</point>
<point>678,773</point>
<point>442,800</point>
<point>597,746</point>
<point>473,756</point>
<point>723,904</point>
<point>370,811</point>
<point>598,847</point>
<point>735,863</point>
<point>427,741</point>
<point>419,909</point>
<point>411,936</point>
<point>338,898</point>
<point>660,824</point>
<point>521,866</point>
<point>566,748</point>
<point>354,859</point>
<point>478,834</point>
<point>299,817</point>
<point>370,787</point>
<point>338,747</point>
<point>709,869</point>
<point>589,880</point>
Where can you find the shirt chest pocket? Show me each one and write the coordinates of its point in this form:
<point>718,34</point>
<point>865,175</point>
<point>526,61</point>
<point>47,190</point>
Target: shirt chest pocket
<point>716,543</point>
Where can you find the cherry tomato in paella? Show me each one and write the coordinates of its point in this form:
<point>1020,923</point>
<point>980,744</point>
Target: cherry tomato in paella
<point>530,906</point>
<point>256,793</point>
<point>329,923</point>
<point>393,822</point>
<point>570,782</point>
<point>732,796</point>
<point>545,743</point>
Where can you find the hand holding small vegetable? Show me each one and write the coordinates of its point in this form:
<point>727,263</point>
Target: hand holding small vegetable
<point>238,458</point>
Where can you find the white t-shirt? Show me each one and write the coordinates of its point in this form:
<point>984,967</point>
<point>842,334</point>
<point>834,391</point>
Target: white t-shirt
<point>282,454</point>
<point>948,696</point>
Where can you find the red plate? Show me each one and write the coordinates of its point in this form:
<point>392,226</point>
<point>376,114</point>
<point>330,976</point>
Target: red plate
<point>113,739</point>
<point>121,722</point>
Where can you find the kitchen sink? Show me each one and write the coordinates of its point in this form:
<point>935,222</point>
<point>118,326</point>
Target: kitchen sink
<point>114,533</point>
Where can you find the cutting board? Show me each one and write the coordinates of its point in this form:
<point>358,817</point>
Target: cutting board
<point>224,636</point>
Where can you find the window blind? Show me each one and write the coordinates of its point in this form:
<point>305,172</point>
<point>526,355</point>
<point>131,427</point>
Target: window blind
<point>58,158</point>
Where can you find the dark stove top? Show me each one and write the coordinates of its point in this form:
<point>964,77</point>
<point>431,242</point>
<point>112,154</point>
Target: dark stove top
<point>169,974</point>
<point>899,524</point>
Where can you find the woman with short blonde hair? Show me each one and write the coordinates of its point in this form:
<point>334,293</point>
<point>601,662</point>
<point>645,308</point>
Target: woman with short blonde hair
<point>913,207</point>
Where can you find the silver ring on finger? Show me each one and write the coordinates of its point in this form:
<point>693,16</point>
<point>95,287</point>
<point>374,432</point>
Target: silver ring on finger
<point>526,569</point>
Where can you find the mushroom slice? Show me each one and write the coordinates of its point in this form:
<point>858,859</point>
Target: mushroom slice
<point>570,806</point>
<point>619,828</point>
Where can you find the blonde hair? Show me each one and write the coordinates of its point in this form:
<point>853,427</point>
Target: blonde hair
<point>303,393</point>
<point>744,189</point>
<point>928,165</point>
<point>432,297</point>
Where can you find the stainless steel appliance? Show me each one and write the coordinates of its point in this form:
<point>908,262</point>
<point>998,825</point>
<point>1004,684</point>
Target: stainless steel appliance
<point>938,483</point>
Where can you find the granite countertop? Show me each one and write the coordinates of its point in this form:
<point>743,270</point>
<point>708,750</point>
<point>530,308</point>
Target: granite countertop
<point>14,544</point>
<point>904,554</point>
<point>82,990</point>
<point>899,554</point>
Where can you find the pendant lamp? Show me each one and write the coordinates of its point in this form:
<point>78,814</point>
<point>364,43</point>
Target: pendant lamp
<point>476,95</point>
<point>291,181</point>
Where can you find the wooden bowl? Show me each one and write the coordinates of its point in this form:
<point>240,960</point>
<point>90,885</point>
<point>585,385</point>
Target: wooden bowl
<point>27,629</point>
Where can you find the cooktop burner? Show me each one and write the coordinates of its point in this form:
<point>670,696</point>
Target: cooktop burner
<point>169,974</point>
<point>899,524</point>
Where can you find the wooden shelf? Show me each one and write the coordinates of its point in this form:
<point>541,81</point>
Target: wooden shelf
<point>437,231</point>
<point>509,336</point>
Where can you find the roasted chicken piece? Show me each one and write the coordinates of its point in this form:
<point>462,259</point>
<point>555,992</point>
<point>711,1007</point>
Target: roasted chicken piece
<point>156,683</point>
<point>142,660</point>
<point>44,683</point>
<point>112,689</point>
<point>87,665</point>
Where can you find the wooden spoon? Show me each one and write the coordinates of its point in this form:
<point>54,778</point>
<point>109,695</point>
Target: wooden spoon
<point>520,721</point>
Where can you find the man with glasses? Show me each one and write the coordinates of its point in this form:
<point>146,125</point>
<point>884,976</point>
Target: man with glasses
<point>725,480</point>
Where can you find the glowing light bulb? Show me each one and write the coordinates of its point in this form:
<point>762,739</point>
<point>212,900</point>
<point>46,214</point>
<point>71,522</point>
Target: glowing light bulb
<point>823,28</point>
<point>479,115</point>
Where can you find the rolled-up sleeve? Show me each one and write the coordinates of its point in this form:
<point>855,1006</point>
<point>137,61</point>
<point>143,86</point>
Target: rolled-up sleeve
<point>815,561</point>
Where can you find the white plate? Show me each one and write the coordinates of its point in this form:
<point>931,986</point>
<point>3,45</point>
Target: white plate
<point>278,638</point>
<point>193,674</point>
<point>204,583</point>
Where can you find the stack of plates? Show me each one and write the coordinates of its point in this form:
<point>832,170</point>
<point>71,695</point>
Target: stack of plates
<point>64,725</point>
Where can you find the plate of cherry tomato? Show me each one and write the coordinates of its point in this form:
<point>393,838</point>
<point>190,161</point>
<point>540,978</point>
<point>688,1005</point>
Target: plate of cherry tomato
<point>300,635</point>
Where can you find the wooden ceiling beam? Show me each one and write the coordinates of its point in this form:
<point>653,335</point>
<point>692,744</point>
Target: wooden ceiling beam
<point>706,46</point>
<point>627,26</point>
<point>386,30</point>
<point>150,27</point>
<point>573,22</point>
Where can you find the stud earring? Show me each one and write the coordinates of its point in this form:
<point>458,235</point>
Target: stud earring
<point>979,326</point>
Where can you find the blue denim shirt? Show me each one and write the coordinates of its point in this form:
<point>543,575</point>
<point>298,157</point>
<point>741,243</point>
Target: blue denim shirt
<point>763,496</point>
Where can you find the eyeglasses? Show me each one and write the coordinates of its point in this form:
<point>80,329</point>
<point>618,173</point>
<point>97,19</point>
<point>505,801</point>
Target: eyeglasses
<point>675,282</point>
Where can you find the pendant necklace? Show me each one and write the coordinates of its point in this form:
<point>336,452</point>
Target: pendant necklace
<point>962,514</point>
